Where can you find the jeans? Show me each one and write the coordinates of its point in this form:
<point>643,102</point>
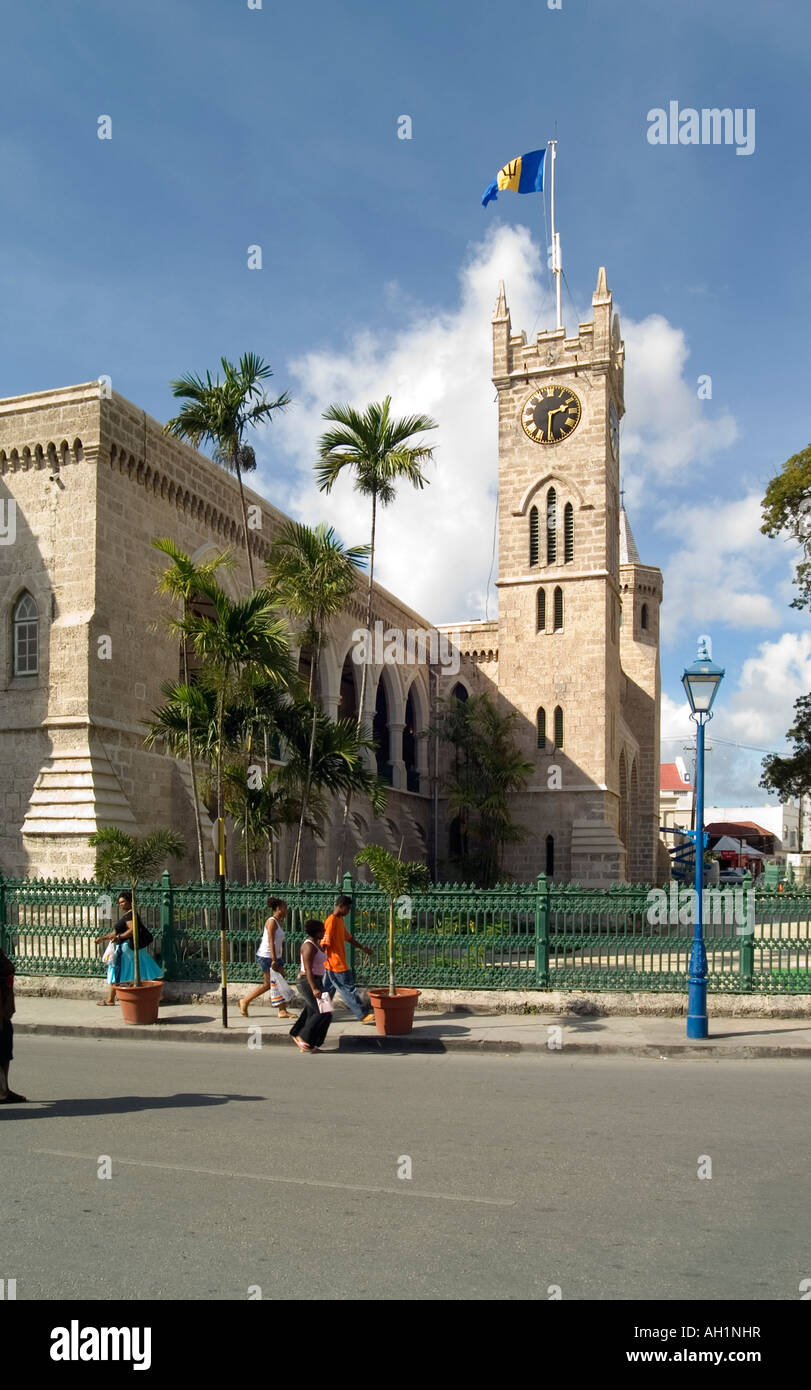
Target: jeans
<point>344,982</point>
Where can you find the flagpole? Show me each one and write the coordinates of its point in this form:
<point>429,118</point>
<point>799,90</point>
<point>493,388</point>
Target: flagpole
<point>556,260</point>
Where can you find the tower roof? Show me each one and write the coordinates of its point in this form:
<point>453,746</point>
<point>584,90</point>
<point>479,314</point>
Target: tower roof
<point>501,311</point>
<point>629,555</point>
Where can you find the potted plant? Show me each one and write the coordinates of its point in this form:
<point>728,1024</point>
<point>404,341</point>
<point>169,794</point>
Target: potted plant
<point>393,1008</point>
<point>121,857</point>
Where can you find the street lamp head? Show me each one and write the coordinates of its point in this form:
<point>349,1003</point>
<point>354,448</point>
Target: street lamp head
<point>701,681</point>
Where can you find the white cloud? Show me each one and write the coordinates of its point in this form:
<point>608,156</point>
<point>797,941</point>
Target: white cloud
<point>666,427</point>
<point>718,573</point>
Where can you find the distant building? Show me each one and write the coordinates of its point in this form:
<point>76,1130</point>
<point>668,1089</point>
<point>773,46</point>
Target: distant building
<point>675,795</point>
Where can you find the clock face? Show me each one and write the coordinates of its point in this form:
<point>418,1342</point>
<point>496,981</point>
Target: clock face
<point>551,414</point>
<point>614,428</point>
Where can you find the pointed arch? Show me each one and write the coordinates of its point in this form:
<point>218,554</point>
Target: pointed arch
<point>540,611</point>
<point>540,726</point>
<point>566,485</point>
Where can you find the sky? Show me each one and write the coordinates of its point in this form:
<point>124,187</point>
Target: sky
<point>238,125</point>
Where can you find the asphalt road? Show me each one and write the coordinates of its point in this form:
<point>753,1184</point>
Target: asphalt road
<point>233,1169</point>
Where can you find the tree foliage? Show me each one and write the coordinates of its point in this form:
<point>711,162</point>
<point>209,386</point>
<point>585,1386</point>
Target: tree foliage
<point>487,769</point>
<point>787,512</point>
<point>791,776</point>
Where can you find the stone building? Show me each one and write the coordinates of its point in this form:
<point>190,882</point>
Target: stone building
<point>87,481</point>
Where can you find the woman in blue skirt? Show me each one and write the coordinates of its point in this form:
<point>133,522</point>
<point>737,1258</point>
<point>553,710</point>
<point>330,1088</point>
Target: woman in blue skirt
<point>121,969</point>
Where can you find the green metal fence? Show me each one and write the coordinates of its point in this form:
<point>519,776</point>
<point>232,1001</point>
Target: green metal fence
<point>533,936</point>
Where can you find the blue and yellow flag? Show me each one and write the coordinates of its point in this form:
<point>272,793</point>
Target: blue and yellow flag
<point>521,175</point>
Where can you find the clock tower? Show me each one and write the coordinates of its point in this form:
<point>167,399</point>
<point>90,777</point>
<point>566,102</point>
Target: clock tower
<point>560,403</point>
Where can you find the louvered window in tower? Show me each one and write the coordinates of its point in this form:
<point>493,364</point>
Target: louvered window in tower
<point>542,610</point>
<point>558,727</point>
<point>533,536</point>
<point>644,617</point>
<point>551,527</point>
<point>558,606</point>
<point>568,533</point>
<point>541,721</point>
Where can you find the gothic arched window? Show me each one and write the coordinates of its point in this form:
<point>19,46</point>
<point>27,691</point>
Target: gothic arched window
<point>558,607</point>
<point>551,527</point>
<point>533,536</point>
<point>25,621</point>
<point>542,610</point>
<point>541,723</point>
<point>644,617</point>
<point>559,727</point>
<point>459,692</point>
<point>550,856</point>
<point>568,533</point>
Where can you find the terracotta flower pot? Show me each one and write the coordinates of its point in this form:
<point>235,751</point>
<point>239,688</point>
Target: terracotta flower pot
<point>139,1003</point>
<point>394,1013</point>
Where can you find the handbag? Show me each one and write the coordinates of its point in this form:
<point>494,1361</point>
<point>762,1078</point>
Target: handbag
<point>324,1004</point>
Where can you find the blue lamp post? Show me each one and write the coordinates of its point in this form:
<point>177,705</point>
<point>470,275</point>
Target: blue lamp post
<point>701,682</point>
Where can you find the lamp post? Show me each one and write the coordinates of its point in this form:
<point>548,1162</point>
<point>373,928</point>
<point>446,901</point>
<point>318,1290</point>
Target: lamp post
<point>701,682</point>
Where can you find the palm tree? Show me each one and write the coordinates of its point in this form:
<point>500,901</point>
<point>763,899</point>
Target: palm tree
<point>396,878</point>
<point>377,449</point>
<point>313,576</point>
<point>218,413</point>
<point>262,811</point>
<point>181,581</point>
<point>239,634</point>
<point>126,857</point>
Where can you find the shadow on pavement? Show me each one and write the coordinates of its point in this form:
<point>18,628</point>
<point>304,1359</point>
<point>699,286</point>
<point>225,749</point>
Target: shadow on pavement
<point>760,1032</point>
<point>114,1105</point>
<point>188,1018</point>
<point>391,1047</point>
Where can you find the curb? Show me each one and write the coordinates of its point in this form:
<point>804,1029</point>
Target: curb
<point>427,1046</point>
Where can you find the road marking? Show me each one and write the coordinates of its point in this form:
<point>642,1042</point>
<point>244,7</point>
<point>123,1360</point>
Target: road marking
<point>290,1182</point>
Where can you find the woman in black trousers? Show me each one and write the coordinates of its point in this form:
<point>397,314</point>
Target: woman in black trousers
<point>311,1026</point>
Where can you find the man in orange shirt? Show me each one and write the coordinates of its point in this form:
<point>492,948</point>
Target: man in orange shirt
<point>338,976</point>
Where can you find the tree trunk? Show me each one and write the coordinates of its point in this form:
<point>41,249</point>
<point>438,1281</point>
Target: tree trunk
<point>192,764</point>
<point>392,989</point>
<point>296,868</point>
<point>244,515</point>
<point>348,802</point>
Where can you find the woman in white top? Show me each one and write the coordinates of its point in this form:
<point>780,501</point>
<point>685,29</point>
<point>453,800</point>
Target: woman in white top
<point>270,959</point>
<point>310,1028</point>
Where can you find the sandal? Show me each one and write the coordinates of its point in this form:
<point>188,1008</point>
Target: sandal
<point>105,1003</point>
<point>244,1012</point>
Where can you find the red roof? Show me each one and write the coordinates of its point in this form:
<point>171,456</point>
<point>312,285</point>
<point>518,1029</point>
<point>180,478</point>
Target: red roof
<point>734,828</point>
<point>670,779</point>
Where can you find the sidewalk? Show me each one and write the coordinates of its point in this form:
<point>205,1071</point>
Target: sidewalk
<point>434,1032</point>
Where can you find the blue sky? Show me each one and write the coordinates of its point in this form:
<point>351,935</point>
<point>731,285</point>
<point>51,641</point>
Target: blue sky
<point>234,127</point>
